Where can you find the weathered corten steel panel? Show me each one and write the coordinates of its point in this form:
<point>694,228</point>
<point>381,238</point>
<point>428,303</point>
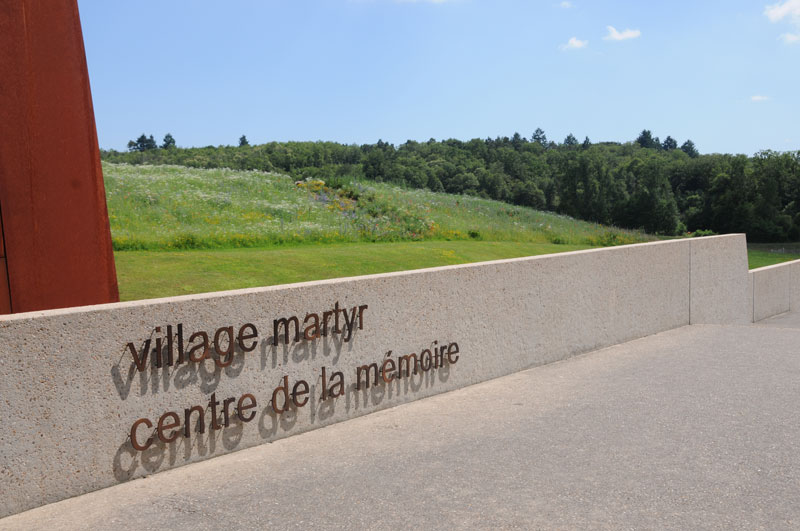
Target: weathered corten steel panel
<point>52,199</point>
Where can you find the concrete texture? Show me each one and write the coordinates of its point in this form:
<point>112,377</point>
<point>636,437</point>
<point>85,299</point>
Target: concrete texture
<point>695,428</point>
<point>784,320</point>
<point>794,287</point>
<point>719,274</point>
<point>750,288</point>
<point>774,289</point>
<point>71,391</point>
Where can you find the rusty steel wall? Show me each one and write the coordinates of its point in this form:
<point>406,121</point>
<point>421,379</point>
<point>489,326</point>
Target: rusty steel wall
<point>57,244</point>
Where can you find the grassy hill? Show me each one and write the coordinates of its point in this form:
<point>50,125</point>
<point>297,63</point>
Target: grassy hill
<point>173,207</point>
<point>179,230</point>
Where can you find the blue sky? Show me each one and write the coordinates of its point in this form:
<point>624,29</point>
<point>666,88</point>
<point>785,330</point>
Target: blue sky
<point>724,73</point>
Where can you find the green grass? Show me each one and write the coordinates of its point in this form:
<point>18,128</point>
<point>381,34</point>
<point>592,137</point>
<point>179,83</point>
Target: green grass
<point>173,207</point>
<point>150,274</point>
<point>765,254</point>
<point>181,230</point>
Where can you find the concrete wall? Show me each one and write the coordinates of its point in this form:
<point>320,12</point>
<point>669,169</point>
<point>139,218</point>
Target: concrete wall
<point>720,280</point>
<point>775,289</point>
<point>71,391</point>
<point>795,287</point>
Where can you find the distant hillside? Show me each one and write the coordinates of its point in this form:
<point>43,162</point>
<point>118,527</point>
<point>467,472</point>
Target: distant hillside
<point>174,207</point>
<point>649,185</point>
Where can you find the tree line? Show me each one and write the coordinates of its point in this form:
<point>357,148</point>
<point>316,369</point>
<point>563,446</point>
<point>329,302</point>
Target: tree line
<point>646,184</point>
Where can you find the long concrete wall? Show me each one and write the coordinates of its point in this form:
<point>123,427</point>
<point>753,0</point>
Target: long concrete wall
<point>71,389</point>
<point>775,289</point>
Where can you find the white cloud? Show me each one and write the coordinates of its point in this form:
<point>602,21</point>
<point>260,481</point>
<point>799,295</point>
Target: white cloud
<point>614,35</point>
<point>759,98</point>
<point>565,4</point>
<point>790,38</point>
<point>779,11</point>
<point>574,44</point>
<point>790,10</point>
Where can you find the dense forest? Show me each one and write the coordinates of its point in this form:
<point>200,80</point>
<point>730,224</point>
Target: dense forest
<point>646,184</point>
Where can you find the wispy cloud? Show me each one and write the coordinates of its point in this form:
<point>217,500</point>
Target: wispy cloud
<point>574,44</point>
<point>788,10</point>
<point>781,10</point>
<point>614,35</point>
<point>565,4</point>
<point>758,97</point>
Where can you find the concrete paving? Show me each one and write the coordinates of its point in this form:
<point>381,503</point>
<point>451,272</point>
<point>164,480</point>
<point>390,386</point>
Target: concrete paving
<point>694,428</point>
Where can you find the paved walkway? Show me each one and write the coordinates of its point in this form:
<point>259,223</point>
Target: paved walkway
<point>694,428</point>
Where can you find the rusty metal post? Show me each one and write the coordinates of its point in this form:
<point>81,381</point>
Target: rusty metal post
<point>56,240</point>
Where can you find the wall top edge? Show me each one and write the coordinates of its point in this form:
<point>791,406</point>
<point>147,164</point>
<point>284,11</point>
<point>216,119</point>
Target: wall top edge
<point>341,280</point>
<point>731,235</point>
<point>776,266</point>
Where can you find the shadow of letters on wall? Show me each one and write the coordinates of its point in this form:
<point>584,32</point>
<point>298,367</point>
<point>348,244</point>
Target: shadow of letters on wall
<point>174,357</point>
